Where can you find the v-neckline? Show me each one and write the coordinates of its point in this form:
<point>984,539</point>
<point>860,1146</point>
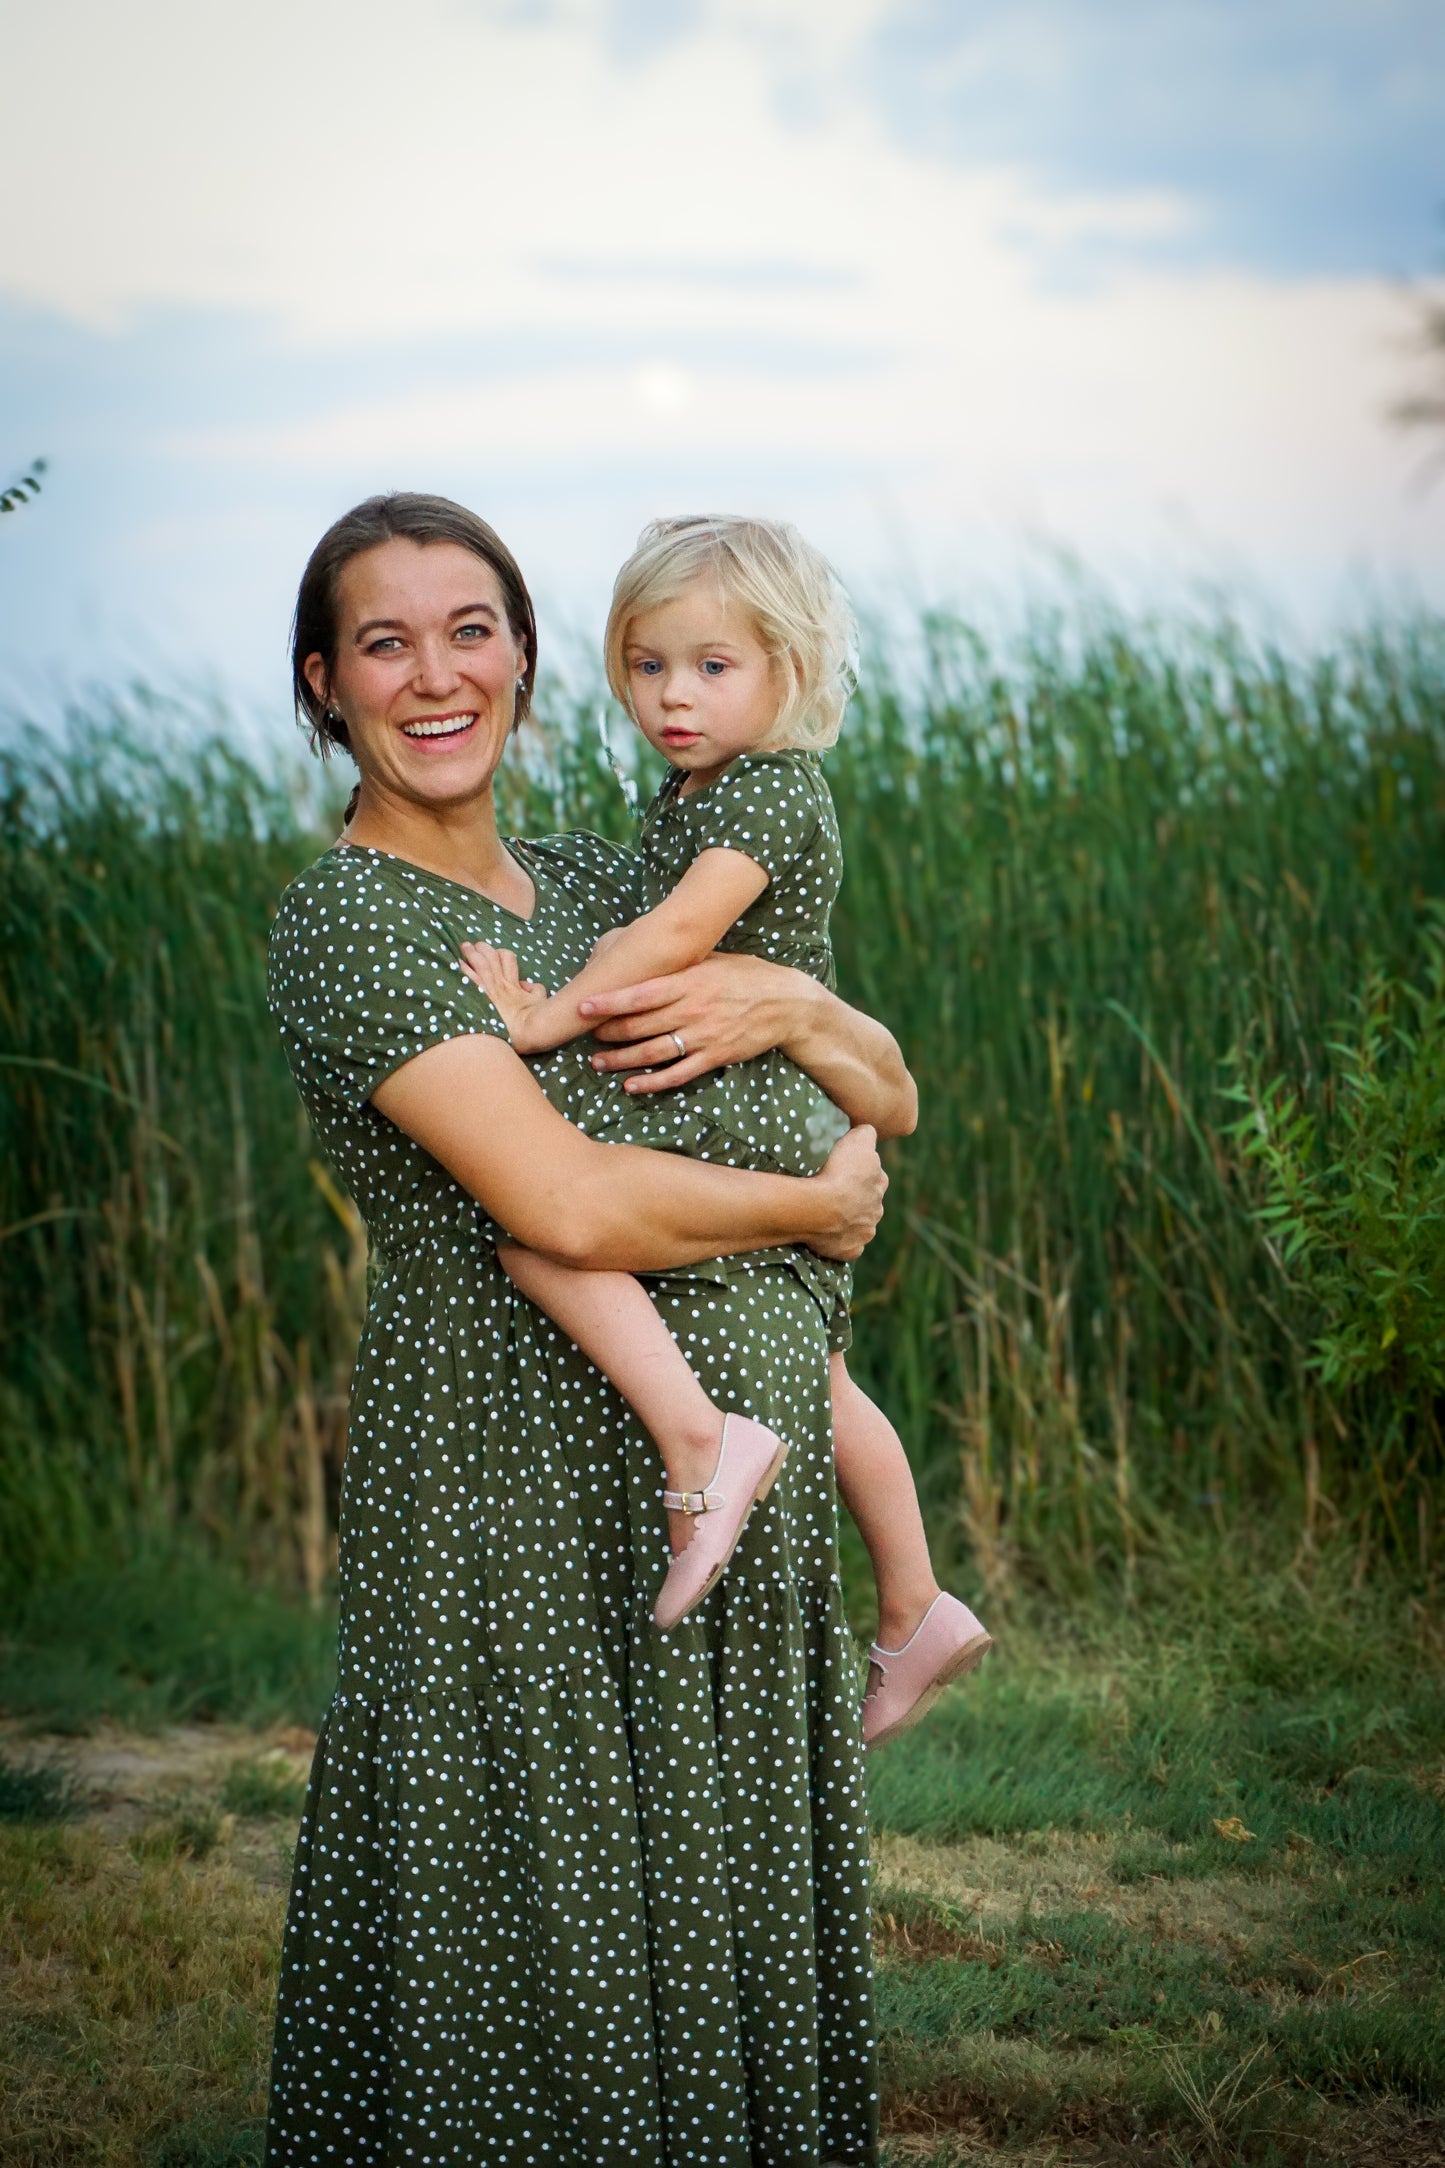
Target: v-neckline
<point>478,895</point>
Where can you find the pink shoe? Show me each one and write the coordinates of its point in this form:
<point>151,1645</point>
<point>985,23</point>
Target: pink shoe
<point>753,1455</point>
<point>947,1641</point>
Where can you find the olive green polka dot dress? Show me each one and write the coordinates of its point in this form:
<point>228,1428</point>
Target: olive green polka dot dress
<point>777,810</point>
<point>566,1891</point>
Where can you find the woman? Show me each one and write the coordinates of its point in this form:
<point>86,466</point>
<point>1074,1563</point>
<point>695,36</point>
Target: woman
<point>565,1891</point>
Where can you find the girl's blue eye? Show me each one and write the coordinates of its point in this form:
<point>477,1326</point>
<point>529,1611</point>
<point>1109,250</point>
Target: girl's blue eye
<point>714,667</point>
<point>647,668</point>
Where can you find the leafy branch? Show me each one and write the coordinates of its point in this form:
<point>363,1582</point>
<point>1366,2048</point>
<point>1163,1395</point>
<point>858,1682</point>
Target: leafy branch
<point>26,489</point>
<point>1351,1190</point>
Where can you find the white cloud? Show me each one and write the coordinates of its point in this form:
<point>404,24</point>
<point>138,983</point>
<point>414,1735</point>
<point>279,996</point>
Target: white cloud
<point>724,278</point>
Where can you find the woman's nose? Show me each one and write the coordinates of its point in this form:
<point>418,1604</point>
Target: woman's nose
<point>436,667</point>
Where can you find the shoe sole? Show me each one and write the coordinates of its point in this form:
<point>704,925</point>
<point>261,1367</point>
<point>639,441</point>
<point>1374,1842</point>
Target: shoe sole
<point>968,1658</point>
<point>770,1477</point>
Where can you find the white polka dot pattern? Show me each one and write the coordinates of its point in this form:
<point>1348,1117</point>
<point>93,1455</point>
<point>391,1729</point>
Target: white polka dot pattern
<point>777,809</point>
<point>566,1891</point>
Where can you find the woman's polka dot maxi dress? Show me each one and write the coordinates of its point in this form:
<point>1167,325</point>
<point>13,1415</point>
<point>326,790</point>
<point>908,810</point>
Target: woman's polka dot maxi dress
<point>567,1891</point>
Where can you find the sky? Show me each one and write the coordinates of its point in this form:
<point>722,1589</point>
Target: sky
<point>976,291</point>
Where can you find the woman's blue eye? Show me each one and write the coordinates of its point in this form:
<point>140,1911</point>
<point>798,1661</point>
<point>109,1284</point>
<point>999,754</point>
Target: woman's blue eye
<point>483,630</point>
<point>380,646</point>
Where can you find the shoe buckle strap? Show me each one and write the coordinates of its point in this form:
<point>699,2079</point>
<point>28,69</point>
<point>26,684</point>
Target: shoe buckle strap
<point>692,1501</point>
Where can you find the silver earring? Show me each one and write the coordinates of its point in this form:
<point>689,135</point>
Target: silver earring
<point>332,717</point>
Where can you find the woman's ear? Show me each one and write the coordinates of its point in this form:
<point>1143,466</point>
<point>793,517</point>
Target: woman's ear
<point>318,677</point>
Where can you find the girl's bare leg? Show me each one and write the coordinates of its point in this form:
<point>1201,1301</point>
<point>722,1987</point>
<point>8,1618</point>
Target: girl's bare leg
<point>875,1483</point>
<point>612,1320</point>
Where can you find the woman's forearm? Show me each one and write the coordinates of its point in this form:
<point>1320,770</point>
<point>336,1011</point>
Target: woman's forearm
<point>631,1210</point>
<point>473,1104</point>
<point>855,1059</point>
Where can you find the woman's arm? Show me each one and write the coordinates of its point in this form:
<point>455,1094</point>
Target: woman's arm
<point>712,895</point>
<point>730,1008</point>
<point>472,1103</point>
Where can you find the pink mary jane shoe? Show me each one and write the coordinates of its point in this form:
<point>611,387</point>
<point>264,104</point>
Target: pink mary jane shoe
<point>947,1641</point>
<point>747,1467</point>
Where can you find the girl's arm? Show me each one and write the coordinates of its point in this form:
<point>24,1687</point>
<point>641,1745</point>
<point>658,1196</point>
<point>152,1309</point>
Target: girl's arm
<point>686,926</point>
<point>730,1008</point>
<point>613,1207</point>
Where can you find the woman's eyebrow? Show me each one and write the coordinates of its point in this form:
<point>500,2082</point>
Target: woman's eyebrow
<point>394,624</point>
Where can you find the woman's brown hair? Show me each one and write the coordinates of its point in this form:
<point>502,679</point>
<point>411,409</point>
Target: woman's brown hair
<point>406,516</point>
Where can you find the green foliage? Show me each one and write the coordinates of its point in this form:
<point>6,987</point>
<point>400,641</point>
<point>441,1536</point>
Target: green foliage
<point>1353,1196</point>
<point>1078,875</point>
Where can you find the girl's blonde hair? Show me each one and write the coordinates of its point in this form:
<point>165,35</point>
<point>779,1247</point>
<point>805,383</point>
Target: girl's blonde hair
<point>792,594</point>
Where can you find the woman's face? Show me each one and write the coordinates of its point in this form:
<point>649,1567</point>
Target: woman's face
<point>427,670</point>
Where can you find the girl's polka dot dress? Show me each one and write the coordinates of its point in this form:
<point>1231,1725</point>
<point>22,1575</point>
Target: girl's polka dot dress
<point>777,809</point>
<point>566,1891</point>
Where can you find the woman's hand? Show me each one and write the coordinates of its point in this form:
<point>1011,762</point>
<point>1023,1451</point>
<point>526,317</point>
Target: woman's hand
<point>731,1008</point>
<point>856,1183</point>
<point>724,1009</point>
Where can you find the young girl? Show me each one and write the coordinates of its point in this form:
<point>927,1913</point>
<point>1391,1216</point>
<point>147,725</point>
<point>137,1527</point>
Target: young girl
<point>729,643</point>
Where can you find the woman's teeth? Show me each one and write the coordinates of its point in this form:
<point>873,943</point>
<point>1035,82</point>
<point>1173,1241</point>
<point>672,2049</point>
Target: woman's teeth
<point>443,726</point>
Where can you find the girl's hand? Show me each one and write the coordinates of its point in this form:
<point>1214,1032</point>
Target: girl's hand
<point>515,999</point>
<point>855,1182</point>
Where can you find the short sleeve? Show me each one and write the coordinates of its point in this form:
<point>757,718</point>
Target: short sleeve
<point>593,870</point>
<point>766,808</point>
<point>362,975</point>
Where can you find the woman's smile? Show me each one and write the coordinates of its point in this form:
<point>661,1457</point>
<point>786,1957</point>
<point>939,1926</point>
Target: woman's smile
<point>446,728</point>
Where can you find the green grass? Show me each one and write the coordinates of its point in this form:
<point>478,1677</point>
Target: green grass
<point>1146,1852</point>
<point>170,1635</point>
<point>37,1791</point>
<point>1075,1963</point>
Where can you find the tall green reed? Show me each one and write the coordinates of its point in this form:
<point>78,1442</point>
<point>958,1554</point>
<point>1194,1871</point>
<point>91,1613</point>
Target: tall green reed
<point>1078,876</point>
<point>1075,885</point>
<point>181,1279</point>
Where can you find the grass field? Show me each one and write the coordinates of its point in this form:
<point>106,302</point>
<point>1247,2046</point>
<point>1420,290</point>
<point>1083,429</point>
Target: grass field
<point>1159,1888</point>
<point>1159,1306</point>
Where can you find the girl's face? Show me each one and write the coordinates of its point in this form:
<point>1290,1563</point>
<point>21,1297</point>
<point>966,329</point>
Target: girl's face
<point>704,689</point>
<point>427,669</point>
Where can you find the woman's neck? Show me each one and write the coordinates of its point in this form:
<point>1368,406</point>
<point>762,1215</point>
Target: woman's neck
<point>460,843</point>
